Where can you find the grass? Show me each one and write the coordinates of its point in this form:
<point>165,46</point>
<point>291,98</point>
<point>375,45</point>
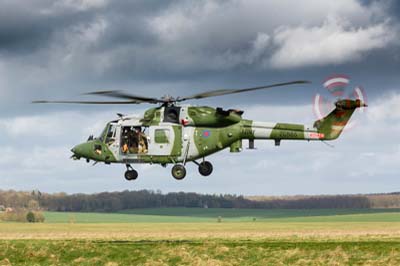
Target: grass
<point>82,217</point>
<point>174,231</point>
<point>200,215</point>
<point>218,252</point>
<point>262,213</point>
<point>185,236</point>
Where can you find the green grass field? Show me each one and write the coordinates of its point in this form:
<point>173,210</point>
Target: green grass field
<point>198,215</point>
<point>185,236</point>
<point>222,252</point>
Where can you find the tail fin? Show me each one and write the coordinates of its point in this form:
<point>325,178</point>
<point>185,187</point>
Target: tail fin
<point>331,126</point>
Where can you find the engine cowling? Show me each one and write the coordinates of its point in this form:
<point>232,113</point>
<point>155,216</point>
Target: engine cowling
<point>205,116</point>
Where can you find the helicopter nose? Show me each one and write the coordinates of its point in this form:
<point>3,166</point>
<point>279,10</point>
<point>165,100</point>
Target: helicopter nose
<point>74,156</point>
<point>78,151</point>
<point>84,150</point>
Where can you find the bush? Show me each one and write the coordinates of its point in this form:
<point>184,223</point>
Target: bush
<point>14,216</point>
<point>22,216</point>
<point>39,217</point>
<point>30,217</point>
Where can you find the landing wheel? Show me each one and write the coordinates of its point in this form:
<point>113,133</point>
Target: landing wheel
<point>205,168</point>
<point>130,174</point>
<point>178,171</point>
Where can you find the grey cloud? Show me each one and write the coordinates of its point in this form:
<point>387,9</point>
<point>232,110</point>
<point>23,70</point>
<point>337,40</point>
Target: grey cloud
<point>170,37</point>
<point>30,26</point>
<point>26,27</point>
<point>177,47</point>
<point>59,49</point>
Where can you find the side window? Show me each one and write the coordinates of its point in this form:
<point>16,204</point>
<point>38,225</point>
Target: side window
<point>97,149</point>
<point>161,136</point>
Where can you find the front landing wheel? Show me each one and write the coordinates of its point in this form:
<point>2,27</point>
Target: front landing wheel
<point>205,168</point>
<point>131,174</point>
<point>178,171</point>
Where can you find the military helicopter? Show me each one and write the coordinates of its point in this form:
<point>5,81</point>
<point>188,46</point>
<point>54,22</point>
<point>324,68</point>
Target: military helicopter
<point>175,134</point>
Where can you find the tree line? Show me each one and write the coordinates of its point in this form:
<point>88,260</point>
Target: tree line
<point>117,201</point>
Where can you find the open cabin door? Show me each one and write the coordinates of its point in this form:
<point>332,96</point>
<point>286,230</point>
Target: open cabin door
<point>165,140</point>
<point>133,141</point>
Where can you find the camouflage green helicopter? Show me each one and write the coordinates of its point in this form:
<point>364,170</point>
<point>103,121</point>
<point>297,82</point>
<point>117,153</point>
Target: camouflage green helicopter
<point>175,134</point>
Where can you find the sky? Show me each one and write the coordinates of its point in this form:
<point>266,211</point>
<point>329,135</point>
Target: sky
<point>59,49</point>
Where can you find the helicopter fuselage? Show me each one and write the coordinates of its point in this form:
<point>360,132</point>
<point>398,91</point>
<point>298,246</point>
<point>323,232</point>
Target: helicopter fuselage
<point>180,134</point>
<point>171,134</point>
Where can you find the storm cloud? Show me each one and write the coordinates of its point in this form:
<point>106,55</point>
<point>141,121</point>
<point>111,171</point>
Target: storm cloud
<point>60,49</point>
<point>150,39</point>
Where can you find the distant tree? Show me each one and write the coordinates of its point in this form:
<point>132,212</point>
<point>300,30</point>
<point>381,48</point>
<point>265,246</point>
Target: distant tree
<point>116,201</point>
<point>33,205</point>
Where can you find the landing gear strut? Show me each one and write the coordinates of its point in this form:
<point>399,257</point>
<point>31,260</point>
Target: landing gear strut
<point>130,174</point>
<point>178,171</point>
<point>205,168</point>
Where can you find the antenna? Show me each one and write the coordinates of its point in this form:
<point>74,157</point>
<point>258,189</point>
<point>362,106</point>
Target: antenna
<point>327,144</point>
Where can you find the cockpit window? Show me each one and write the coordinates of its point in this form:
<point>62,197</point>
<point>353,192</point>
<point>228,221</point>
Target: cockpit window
<point>108,134</point>
<point>110,137</point>
<point>103,133</point>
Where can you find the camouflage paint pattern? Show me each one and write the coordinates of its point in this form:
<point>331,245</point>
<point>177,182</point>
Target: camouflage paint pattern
<point>202,131</point>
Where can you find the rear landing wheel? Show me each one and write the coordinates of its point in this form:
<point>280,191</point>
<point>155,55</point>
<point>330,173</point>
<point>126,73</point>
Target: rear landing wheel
<point>178,171</point>
<point>205,168</point>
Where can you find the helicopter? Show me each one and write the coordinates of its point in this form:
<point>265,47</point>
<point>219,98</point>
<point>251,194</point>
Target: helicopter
<point>176,134</point>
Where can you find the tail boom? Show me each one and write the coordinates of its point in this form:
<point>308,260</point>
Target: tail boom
<point>328,128</point>
<point>279,131</point>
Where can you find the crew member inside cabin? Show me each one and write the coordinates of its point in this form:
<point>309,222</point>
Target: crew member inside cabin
<point>125,140</point>
<point>133,140</point>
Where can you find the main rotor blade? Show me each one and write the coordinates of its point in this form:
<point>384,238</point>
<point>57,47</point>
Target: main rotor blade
<point>90,102</point>
<point>126,96</point>
<point>230,91</point>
